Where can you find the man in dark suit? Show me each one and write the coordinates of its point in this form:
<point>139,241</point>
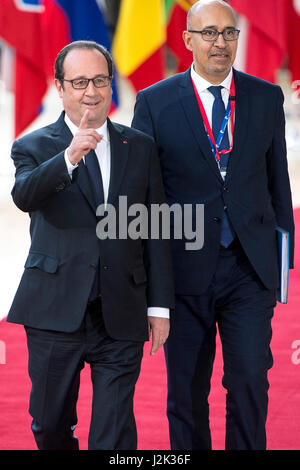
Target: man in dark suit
<point>84,298</point>
<point>221,139</point>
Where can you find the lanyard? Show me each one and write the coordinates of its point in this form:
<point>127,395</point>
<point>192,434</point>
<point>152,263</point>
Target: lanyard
<point>215,145</point>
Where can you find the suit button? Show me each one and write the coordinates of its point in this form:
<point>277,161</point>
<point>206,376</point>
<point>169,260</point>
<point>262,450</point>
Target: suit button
<point>217,219</point>
<point>105,268</point>
<point>60,187</point>
<point>94,266</point>
<point>225,188</point>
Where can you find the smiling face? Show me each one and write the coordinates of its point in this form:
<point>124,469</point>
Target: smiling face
<point>85,63</point>
<point>212,60</point>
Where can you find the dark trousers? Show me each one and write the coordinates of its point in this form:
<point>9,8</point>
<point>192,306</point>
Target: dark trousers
<point>55,362</point>
<point>242,308</point>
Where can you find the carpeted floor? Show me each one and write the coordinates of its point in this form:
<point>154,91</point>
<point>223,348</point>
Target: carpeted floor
<point>283,424</point>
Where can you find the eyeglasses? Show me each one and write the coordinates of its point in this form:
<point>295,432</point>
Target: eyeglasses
<point>212,35</point>
<point>82,83</point>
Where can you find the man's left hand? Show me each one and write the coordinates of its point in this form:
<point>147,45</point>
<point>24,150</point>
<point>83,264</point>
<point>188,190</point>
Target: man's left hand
<point>160,328</point>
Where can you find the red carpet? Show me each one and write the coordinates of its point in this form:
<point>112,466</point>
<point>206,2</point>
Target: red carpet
<point>150,400</point>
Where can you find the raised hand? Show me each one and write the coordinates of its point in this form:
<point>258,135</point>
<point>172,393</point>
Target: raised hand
<point>84,140</point>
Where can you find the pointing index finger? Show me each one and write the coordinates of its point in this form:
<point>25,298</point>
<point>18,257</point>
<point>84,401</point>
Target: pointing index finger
<point>84,120</point>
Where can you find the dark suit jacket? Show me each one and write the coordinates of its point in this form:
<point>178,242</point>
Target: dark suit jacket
<point>256,191</point>
<point>65,250</point>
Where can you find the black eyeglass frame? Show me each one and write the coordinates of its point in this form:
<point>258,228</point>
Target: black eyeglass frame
<point>218,33</point>
<point>105,77</point>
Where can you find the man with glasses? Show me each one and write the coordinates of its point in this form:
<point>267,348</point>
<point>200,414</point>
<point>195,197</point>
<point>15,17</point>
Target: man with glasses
<point>221,139</point>
<point>85,299</point>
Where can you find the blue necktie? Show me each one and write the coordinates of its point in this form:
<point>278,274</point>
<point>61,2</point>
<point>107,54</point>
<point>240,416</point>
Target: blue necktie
<point>218,114</point>
<point>92,165</point>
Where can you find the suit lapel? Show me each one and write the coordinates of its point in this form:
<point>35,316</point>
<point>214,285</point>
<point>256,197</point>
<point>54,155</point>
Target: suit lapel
<point>193,116</point>
<point>61,134</point>
<point>119,150</point>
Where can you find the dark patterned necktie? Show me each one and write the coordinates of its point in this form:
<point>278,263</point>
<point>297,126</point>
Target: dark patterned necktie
<point>92,165</point>
<point>218,114</point>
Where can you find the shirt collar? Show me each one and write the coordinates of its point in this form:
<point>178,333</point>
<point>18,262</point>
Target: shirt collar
<point>101,130</point>
<point>202,84</point>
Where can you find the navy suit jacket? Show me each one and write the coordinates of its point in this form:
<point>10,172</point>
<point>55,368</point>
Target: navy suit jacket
<point>64,252</point>
<point>256,190</point>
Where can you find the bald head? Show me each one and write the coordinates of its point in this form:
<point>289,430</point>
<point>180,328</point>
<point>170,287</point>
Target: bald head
<point>201,4</point>
<point>212,59</point>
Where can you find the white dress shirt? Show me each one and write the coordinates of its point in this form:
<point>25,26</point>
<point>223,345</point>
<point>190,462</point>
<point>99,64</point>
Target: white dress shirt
<point>207,98</point>
<point>103,154</point>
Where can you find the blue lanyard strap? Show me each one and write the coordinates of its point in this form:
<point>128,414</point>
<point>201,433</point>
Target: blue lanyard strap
<point>221,133</point>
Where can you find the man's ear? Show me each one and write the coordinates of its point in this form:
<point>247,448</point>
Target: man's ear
<point>59,87</point>
<point>186,36</point>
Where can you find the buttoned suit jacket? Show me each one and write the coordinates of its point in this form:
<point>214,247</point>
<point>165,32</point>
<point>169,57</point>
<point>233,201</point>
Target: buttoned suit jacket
<point>256,192</point>
<point>64,252</point>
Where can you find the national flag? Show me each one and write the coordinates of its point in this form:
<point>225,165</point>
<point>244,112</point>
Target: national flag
<point>176,11</point>
<point>293,39</point>
<point>139,41</point>
<point>266,36</point>
<point>85,19</point>
<point>21,28</point>
<point>37,30</point>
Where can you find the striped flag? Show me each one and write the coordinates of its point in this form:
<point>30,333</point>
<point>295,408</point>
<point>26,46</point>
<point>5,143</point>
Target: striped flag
<point>176,11</point>
<point>139,40</point>
<point>37,30</point>
<point>21,28</point>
